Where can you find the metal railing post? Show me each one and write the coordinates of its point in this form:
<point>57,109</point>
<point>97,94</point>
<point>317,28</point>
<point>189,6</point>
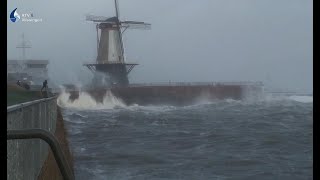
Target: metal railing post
<point>53,143</point>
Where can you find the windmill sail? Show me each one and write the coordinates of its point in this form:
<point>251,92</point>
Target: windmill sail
<point>121,57</point>
<point>96,18</point>
<point>117,8</point>
<point>135,25</point>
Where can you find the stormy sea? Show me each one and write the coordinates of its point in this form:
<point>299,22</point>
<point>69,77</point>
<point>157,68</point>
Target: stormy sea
<point>269,138</point>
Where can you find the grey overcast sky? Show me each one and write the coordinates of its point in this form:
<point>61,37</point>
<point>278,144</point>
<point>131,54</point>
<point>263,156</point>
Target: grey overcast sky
<point>190,40</point>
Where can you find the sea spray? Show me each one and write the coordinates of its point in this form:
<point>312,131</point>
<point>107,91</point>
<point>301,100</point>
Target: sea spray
<point>85,101</point>
<point>302,99</point>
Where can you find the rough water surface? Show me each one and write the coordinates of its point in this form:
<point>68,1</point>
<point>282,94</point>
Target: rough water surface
<point>267,139</point>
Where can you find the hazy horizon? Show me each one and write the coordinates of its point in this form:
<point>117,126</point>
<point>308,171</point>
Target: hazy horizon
<point>269,41</point>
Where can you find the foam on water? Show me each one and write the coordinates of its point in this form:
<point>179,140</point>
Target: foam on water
<point>296,98</point>
<point>302,99</point>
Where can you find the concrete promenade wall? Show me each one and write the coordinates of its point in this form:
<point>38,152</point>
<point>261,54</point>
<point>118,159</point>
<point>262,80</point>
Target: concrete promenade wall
<point>26,157</point>
<point>50,169</point>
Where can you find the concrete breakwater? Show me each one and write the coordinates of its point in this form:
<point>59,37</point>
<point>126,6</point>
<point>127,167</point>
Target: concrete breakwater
<point>26,158</point>
<point>177,94</point>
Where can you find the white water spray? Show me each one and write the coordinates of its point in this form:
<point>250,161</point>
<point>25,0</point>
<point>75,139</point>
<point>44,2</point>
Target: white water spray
<point>302,99</point>
<point>85,101</point>
<point>269,97</point>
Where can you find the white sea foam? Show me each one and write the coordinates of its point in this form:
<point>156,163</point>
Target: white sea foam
<point>85,101</point>
<point>302,99</point>
<point>151,108</point>
<point>269,97</point>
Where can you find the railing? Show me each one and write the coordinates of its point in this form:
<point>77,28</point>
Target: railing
<point>26,157</point>
<point>51,140</point>
<point>26,104</point>
<point>241,83</point>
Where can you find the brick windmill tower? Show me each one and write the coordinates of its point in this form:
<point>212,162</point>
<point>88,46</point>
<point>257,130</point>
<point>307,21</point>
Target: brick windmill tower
<point>110,60</point>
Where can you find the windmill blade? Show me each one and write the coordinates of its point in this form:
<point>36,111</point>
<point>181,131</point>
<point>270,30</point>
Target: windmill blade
<point>119,28</point>
<point>135,25</point>
<point>97,18</point>
<point>117,8</point>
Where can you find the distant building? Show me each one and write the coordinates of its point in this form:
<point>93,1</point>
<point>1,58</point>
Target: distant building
<point>35,71</point>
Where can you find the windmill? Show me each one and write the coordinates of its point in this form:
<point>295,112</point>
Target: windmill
<point>110,50</point>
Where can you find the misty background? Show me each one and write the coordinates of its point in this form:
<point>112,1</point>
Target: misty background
<point>207,40</point>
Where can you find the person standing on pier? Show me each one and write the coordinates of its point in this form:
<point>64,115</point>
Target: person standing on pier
<point>18,83</point>
<point>45,86</point>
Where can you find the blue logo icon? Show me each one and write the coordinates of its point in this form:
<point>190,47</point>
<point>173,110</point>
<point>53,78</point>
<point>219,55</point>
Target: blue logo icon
<point>14,16</point>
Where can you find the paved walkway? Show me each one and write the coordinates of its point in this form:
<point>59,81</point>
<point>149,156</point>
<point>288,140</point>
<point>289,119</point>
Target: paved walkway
<point>17,94</point>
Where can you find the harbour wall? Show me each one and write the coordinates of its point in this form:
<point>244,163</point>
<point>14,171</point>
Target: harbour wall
<point>175,94</point>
